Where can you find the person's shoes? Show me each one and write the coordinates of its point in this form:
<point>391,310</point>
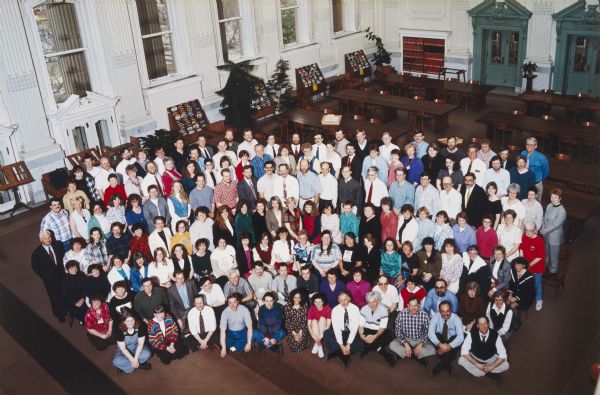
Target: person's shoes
<point>320,352</point>
<point>277,348</point>
<point>390,357</point>
<point>422,361</point>
<point>437,369</point>
<point>496,377</point>
<point>450,369</point>
<point>146,366</point>
<point>119,371</point>
<point>346,359</point>
<point>315,349</point>
<point>334,354</point>
<point>538,305</point>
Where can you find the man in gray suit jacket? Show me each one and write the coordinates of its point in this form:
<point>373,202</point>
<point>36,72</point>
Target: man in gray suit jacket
<point>181,297</point>
<point>245,191</point>
<point>155,206</point>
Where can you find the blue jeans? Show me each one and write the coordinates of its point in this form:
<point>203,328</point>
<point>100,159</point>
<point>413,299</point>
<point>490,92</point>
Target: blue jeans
<point>537,280</point>
<point>259,336</point>
<point>236,339</point>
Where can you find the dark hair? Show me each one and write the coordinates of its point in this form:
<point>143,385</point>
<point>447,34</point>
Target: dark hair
<point>411,298</point>
<point>407,207</point>
<point>235,295</point>
<point>159,309</point>
<point>119,284</point>
<point>78,240</point>
<point>428,241</point>
<point>445,303</point>
<point>321,296</point>
<point>520,260</point>
<point>302,293</point>
<point>94,266</point>
<point>473,247</point>
<point>137,226</point>
<point>131,198</point>
<point>72,263</point>
<point>96,296</point>
<point>331,271</point>
<point>200,242</point>
<point>126,313</point>
<point>450,242</point>
<point>271,294</point>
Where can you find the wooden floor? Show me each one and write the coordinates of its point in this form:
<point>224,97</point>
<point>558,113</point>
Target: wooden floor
<point>551,353</point>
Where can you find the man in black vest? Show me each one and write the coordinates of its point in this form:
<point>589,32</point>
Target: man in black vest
<point>482,353</point>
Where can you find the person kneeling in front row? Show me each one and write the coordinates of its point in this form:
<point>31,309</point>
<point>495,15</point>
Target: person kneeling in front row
<point>164,336</point>
<point>482,353</point>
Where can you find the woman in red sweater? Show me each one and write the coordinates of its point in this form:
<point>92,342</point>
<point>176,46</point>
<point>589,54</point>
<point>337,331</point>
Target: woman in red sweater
<point>533,249</point>
<point>112,188</point>
<point>412,289</point>
<point>487,238</point>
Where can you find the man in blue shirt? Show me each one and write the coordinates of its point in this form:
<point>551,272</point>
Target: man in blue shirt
<point>421,144</point>
<point>374,159</point>
<point>308,183</point>
<point>438,295</point>
<point>537,163</point>
<point>259,160</point>
<point>446,334</point>
<point>401,191</point>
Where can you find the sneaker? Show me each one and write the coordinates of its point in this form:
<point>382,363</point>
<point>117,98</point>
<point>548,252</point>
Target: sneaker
<point>315,348</point>
<point>320,352</point>
<point>538,305</point>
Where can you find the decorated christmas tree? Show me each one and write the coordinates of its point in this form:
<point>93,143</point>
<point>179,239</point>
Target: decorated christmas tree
<point>280,86</point>
<point>237,94</point>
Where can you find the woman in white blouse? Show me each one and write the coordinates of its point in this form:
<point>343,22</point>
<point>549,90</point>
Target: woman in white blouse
<point>77,253</point>
<point>79,219</point>
<point>331,156</point>
<point>452,265</point>
<point>282,247</point>
<point>512,202</point>
<point>533,209</point>
<point>509,234</point>
<point>286,158</point>
<point>331,221</point>
<point>222,259</point>
<point>161,267</point>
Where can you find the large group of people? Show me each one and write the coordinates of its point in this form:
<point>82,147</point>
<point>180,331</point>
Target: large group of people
<point>343,245</point>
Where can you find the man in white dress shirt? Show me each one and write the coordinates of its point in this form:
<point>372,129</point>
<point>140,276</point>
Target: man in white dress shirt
<point>126,160</point>
<point>318,148</point>
<point>271,148</point>
<point>285,185</point>
<point>427,196</point>
<point>159,152</point>
<point>329,186</point>
<point>202,325</point>
<point>472,164</point>
<point>375,189</point>
<point>266,184</point>
<point>152,178</point>
<point>450,198</point>
<point>342,339</point>
<point>101,179</point>
<point>222,151</point>
<point>385,150</point>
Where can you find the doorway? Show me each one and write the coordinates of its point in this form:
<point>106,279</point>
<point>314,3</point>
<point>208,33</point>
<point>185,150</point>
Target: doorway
<point>583,65</point>
<point>502,65</point>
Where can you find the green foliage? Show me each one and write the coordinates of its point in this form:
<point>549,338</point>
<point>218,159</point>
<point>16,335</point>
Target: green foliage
<point>280,86</point>
<point>161,138</point>
<point>237,94</point>
<point>529,68</point>
<point>381,56</point>
<point>288,26</point>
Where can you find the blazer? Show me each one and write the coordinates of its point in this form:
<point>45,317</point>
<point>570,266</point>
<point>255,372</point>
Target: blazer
<point>503,273</point>
<point>355,165</point>
<point>231,238</point>
<point>151,211</point>
<point>244,192</point>
<point>240,258</point>
<point>175,302</point>
<point>476,205</point>
<point>51,273</point>
<point>155,241</point>
<point>271,220</point>
<point>210,150</point>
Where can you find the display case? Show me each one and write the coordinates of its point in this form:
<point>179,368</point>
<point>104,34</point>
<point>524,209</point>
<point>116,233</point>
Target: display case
<point>187,118</point>
<point>262,102</point>
<point>310,84</point>
<point>357,64</point>
<point>423,55</point>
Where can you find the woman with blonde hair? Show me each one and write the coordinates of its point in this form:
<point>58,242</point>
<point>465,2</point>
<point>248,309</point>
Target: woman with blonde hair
<point>412,164</point>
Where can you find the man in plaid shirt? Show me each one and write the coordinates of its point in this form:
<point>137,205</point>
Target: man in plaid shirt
<point>57,220</point>
<point>412,325</point>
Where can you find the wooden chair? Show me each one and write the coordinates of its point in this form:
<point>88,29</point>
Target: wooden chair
<point>558,279</point>
<point>54,183</point>
<point>375,121</point>
<point>564,157</point>
<point>328,111</point>
<point>358,117</point>
<point>499,132</point>
<point>566,145</point>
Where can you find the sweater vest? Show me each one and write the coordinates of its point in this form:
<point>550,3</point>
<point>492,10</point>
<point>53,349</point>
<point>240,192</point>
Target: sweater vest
<point>483,351</point>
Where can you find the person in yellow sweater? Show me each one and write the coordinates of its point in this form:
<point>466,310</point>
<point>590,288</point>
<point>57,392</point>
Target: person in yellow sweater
<point>72,194</point>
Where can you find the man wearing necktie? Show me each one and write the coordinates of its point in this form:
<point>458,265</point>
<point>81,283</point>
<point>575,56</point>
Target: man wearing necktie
<point>47,262</point>
<point>446,334</point>
<point>483,353</point>
<point>342,338</point>
<point>202,325</point>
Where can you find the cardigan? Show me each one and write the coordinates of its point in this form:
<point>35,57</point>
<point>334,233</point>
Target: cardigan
<point>159,340</point>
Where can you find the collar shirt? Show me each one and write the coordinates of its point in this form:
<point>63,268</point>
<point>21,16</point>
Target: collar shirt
<point>101,179</point>
<point>390,297</point>
<point>248,146</point>
<point>242,287</point>
<point>123,165</point>
<point>309,185</point>
<point>337,321</point>
<point>379,191</point>
<point>160,165</point>
<point>402,194</point>
<point>340,147</point>
<point>478,168</point>
<point>236,320</point>
<point>429,198</point>
<point>421,148</point>
<point>266,186</point>
<point>329,188</point>
<point>538,164</point>
<point>507,319</point>
<point>451,202</point>
<point>319,151</point>
<point>286,187</point>
<point>208,316</point>
<point>380,163</point>
<point>57,223</point>
<point>258,165</point>
<point>501,178</point>
<point>414,327</point>
<point>272,150</point>
<point>466,347</point>
<point>455,328</point>
<point>486,157</point>
<point>217,159</point>
<point>385,151</point>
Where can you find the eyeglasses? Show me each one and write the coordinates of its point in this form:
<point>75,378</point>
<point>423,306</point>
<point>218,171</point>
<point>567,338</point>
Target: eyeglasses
<point>440,287</point>
<point>382,283</point>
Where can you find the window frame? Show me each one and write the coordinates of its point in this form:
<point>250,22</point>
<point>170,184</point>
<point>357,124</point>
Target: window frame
<point>239,18</point>
<point>247,32</point>
<point>349,18</point>
<point>296,23</point>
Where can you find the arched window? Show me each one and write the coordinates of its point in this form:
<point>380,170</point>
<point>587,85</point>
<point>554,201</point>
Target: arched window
<point>63,48</point>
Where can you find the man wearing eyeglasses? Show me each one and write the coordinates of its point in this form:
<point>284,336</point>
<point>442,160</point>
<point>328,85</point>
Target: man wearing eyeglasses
<point>438,295</point>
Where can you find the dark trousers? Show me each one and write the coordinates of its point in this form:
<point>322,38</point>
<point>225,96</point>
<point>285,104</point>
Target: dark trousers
<point>99,343</point>
<point>381,341</point>
<point>53,290</point>
<point>166,357</point>
<point>192,344</point>
<point>447,358</point>
<point>333,346</point>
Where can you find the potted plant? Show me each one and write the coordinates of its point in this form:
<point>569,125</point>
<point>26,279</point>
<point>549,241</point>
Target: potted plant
<point>381,58</point>
<point>280,86</point>
<point>529,68</point>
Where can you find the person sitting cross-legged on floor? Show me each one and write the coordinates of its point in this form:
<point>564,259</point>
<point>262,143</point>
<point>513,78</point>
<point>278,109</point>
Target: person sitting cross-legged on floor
<point>482,353</point>
<point>341,339</point>
<point>373,328</point>
<point>411,328</point>
<point>270,330</point>
<point>236,326</point>
<point>202,325</point>
<point>446,334</point>
<point>164,336</point>
<point>131,352</point>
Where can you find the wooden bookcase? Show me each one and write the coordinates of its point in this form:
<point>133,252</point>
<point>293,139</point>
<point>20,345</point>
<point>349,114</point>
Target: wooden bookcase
<point>310,84</point>
<point>357,64</point>
<point>423,55</point>
<point>262,102</point>
<point>187,118</point>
